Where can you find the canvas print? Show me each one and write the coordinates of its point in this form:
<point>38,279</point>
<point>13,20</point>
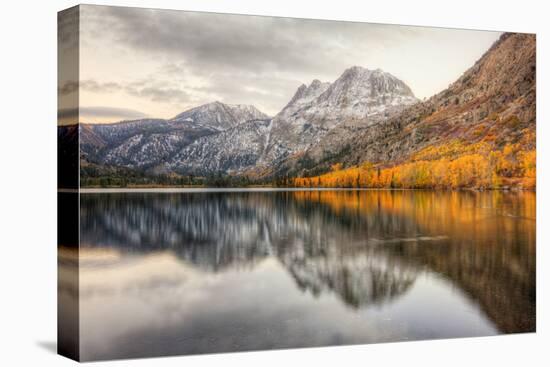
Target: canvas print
<point>234,183</point>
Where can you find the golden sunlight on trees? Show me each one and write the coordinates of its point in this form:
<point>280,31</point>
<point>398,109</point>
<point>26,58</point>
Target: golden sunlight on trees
<point>450,166</point>
<point>529,166</point>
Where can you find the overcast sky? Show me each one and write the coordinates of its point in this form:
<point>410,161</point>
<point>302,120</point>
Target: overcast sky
<point>158,63</point>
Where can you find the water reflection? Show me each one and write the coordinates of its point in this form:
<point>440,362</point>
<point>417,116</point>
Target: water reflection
<point>210,272</point>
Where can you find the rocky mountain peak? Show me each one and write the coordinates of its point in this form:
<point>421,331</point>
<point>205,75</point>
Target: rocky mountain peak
<point>358,98</point>
<point>355,70</point>
<point>359,93</point>
<point>250,112</point>
<point>304,94</point>
<point>315,83</point>
<point>220,116</point>
<point>360,84</point>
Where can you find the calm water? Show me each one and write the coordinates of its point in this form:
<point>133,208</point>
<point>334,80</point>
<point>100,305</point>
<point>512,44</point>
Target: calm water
<point>201,272</point>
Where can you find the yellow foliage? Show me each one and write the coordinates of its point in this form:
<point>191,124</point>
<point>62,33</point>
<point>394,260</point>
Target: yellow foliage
<point>453,166</point>
<point>529,165</point>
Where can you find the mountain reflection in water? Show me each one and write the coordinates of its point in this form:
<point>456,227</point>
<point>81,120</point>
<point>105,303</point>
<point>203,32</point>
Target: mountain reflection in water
<point>180,273</point>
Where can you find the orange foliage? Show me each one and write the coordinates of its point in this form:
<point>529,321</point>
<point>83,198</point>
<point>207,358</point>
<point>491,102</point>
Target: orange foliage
<point>449,166</point>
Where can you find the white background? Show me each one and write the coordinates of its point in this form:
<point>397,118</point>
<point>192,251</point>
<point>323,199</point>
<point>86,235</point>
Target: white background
<point>28,179</point>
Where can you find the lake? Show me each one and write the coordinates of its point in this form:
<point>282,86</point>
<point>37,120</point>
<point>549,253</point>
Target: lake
<point>207,271</point>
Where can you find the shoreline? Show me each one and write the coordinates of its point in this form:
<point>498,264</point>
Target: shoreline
<point>167,189</point>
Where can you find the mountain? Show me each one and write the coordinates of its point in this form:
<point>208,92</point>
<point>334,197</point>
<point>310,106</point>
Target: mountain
<point>359,93</point>
<point>231,151</point>
<point>218,138</point>
<point>491,105</point>
<point>219,116</point>
<point>151,143</point>
<point>358,98</point>
<point>139,144</point>
<point>304,95</point>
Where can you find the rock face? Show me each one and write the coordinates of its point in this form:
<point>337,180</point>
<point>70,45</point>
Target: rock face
<point>359,93</point>
<point>358,98</point>
<point>303,96</point>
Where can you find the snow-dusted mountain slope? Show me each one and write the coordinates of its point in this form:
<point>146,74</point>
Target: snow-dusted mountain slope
<point>153,143</point>
<point>360,93</point>
<point>358,98</point>
<point>303,96</point>
<point>218,138</point>
<point>231,151</point>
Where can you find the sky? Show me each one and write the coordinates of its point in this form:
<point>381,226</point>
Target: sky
<point>137,63</point>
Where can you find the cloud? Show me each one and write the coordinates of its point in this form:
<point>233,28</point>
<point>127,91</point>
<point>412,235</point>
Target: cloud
<point>94,86</point>
<point>89,85</point>
<point>68,87</point>
<point>160,94</point>
<point>235,42</point>
<point>179,59</point>
<point>138,89</point>
<point>114,112</point>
